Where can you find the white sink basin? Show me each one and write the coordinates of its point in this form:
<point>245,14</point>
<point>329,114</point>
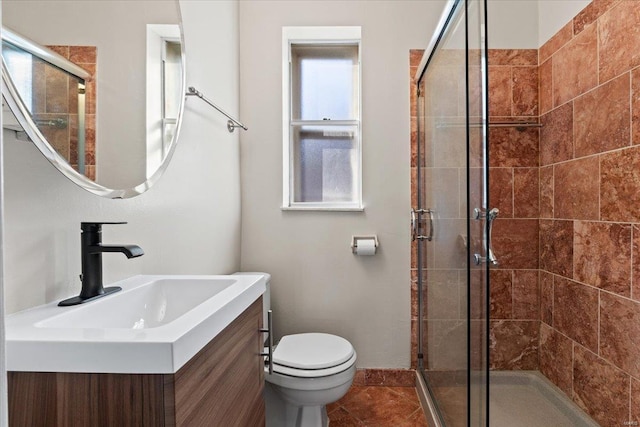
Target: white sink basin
<point>154,325</point>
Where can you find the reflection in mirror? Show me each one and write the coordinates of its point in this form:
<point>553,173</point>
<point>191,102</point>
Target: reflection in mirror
<point>103,106</point>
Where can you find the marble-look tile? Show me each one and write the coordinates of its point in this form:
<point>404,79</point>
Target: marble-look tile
<point>441,296</point>
<point>515,243</point>
<point>635,106</point>
<point>576,188</point>
<point>500,87</point>
<point>39,89</point>
<point>602,256</point>
<point>358,379</point>
<point>556,135</point>
<point>510,147</point>
<point>545,79</point>
<point>513,57</point>
<point>501,190</point>
<point>526,295</point>
<point>83,54</point>
<point>57,91</point>
<point>591,13</point>
<point>556,358</point>
<point>635,272</point>
<point>600,389</point>
<point>526,193</point>
<point>602,118</point>
<point>525,91</point>
<point>445,201</point>
<point>556,247</point>
<point>390,377</point>
<point>340,417</point>
<point>575,312</point>
<point>620,332</point>
<point>575,67</point>
<point>559,39</point>
<point>415,56</point>
<point>546,192</point>
<point>546,297</point>
<point>619,38</point>
<point>60,50</point>
<point>447,344</point>
<point>501,298</point>
<point>377,406</point>
<point>620,185</point>
<point>635,401</point>
<point>513,344</point>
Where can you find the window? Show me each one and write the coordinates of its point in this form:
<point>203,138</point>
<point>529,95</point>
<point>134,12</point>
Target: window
<point>321,118</point>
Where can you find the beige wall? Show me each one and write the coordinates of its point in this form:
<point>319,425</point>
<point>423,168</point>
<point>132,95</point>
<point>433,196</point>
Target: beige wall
<point>318,285</point>
<point>189,222</point>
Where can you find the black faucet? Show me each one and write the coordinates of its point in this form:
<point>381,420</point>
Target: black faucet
<point>92,249</point>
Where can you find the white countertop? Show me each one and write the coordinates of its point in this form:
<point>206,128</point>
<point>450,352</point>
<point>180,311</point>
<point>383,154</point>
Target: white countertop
<point>38,341</point>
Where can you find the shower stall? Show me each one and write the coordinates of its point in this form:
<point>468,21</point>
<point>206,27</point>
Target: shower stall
<point>486,256</point>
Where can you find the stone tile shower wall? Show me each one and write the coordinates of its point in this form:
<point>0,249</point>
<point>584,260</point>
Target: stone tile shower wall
<point>590,210</point>
<point>514,181</point>
<point>55,97</point>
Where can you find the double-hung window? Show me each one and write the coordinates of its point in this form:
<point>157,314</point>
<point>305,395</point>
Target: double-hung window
<point>321,118</point>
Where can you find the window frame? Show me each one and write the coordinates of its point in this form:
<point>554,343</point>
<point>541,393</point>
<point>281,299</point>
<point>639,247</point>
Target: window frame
<point>316,36</point>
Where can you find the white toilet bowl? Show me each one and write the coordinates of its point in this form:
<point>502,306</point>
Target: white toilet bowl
<point>309,371</point>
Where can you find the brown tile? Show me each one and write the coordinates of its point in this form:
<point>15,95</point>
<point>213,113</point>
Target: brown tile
<point>602,118</point>
<point>575,67</point>
<point>513,344</point>
<point>525,91</point>
<point>556,358</point>
<point>514,243</point>
<point>602,256</point>
<point>415,56</point>
<point>390,377</point>
<point>501,190</point>
<point>57,91</point>
<point>575,312</point>
<point>635,106</point>
<point>526,192</point>
<point>500,88</point>
<point>526,295</point>
<point>375,405</point>
<point>575,189</point>
<point>546,298</point>
<point>620,185</point>
<point>546,192</point>
<point>620,332</point>
<point>619,38</point>
<point>545,88</point>
<point>591,13</point>
<point>600,389</point>
<point>635,401</point>
<point>501,299</point>
<point>358,379</point>
<point>510,147</point>
<point>341,418</point>
<point>39,94</point>
<point>556,135</point>
<point>60,50</point>
<point>558,40</point>
<point>513,57</point>
<point>83,54</point>
<point>635,272</point>
<point>417,419</point>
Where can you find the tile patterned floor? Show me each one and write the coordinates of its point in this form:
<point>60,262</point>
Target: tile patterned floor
<point>377,406</point>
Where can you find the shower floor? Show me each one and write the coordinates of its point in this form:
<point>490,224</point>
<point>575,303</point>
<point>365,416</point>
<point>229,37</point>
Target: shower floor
<point>527,398</point>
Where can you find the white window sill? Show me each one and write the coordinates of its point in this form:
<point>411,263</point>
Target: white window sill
<point>323,208</point>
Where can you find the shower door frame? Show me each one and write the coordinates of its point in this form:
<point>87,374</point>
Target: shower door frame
<point>450,13</point>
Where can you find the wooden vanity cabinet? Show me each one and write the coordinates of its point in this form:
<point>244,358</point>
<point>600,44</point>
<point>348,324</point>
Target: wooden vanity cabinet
<point>220,386</point>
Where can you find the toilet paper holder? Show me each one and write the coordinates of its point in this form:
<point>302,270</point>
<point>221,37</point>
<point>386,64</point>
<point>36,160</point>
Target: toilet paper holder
<point>356,239</point>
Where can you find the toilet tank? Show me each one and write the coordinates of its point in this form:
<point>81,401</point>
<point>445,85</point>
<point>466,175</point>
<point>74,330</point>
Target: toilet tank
<point>266,297</point>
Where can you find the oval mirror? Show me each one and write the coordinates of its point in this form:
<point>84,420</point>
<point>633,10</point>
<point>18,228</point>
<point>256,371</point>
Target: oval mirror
<point>98,86</point>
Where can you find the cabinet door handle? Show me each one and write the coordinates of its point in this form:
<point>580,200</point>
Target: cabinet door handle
<point>269,330</point>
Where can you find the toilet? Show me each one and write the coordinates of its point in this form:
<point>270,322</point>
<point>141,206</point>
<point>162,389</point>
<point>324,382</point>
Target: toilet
<point>310,370</point>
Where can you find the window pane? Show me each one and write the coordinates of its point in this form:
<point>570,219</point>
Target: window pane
<point>324,82</point>
<point>325,163</point>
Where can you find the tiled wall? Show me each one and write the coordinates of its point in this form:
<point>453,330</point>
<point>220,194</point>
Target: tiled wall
<point>55,96</point>
<point>514,181</point>
<point>590,210</point>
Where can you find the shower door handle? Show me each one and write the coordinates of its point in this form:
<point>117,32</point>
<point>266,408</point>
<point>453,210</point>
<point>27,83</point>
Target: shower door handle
<point>490,217</point>
<point>415,224</point>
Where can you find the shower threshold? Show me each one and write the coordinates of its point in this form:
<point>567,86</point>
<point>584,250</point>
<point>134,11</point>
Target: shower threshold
<point>528,398</point>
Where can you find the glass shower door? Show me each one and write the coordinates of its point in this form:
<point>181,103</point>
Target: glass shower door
<point>453,221</point>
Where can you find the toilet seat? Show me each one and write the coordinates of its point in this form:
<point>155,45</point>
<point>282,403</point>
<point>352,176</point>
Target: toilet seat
<point>312,355</point>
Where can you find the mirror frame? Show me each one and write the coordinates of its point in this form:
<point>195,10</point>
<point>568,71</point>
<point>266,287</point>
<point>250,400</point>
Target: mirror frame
<point>20,110</point>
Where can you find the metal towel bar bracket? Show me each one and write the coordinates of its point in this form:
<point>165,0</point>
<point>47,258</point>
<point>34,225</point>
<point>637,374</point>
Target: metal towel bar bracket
<point>232,123</point>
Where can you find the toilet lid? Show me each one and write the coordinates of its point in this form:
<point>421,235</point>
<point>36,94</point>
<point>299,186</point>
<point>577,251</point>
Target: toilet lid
<point>312,351</point>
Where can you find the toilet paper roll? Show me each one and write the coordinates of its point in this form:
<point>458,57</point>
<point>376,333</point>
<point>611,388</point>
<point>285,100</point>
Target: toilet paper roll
<point>366,247</point>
